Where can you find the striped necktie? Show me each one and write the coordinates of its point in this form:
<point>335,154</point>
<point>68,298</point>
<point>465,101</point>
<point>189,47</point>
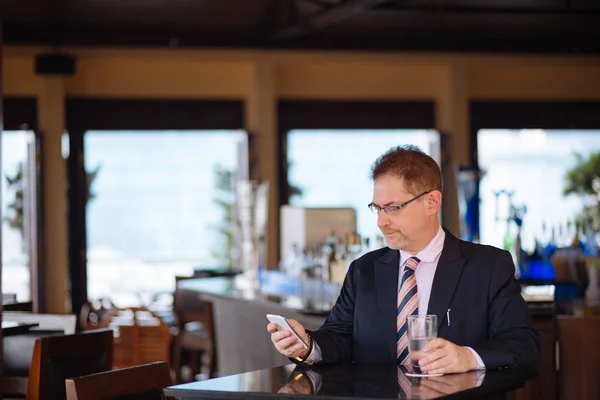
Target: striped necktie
<point>408,304</point>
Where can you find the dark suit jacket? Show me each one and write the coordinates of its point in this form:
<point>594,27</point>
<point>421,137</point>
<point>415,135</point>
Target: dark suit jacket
<point>475,281</point>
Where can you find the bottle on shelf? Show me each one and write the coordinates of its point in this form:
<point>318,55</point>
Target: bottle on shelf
<point>551,245</point>
<point>509,241</point>
<point>292,263</point>
<point>582,235</point>
<point>591,245</point>
<point>331,261</point>
<point>576,242</point>
<point>355,248</point>
<point>367,245</point>
<point>339,264</point>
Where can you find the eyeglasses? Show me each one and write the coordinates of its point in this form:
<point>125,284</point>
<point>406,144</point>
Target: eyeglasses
<point>393,210</point>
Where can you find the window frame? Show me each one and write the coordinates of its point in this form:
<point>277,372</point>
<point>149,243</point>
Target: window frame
<point>110,114</point>
<point>20,113</point>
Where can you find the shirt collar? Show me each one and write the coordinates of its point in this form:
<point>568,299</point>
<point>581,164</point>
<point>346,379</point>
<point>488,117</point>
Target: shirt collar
<point>431,252</point>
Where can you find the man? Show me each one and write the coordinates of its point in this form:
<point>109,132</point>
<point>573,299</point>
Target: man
<point>483,320</point>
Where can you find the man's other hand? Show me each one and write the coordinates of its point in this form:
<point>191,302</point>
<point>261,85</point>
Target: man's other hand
<point>444,357</point>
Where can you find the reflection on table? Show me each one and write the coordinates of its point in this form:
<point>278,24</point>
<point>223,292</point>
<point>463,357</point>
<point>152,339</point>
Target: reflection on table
<point>351,381</point>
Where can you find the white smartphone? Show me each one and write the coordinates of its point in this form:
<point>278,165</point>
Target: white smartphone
<point>282,324</point>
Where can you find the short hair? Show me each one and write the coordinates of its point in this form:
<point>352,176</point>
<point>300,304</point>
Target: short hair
<point>419,171</point>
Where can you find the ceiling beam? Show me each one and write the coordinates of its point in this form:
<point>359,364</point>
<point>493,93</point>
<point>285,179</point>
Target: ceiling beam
<point>325,18</point>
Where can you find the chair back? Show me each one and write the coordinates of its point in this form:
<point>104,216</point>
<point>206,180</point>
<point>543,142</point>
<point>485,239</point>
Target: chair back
<point>135,383</point>
<point>57,358</point>
<point>17,352</point>
<point>188,306</point>
<point>190,309</point>
<point>64,322</point>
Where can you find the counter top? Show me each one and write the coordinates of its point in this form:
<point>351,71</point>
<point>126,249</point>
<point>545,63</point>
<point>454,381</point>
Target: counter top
<point>308,296</point>
<point>313,296</point>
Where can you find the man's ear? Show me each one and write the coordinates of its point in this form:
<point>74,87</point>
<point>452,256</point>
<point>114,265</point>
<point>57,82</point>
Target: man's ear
<point>434,202</point>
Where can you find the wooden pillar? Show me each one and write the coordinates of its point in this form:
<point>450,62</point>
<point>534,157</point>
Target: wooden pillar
<point>452,119</point>
<point>51,119</point>
<point>261,122</point>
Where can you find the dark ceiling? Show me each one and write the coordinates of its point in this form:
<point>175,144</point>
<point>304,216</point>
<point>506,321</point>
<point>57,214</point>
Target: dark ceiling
<point>542,26</point>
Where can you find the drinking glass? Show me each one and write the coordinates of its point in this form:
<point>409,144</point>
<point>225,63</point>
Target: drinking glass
<point>421,329</point>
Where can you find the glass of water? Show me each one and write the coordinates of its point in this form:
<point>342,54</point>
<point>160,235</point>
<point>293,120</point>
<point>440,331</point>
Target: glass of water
<point>420,330</point>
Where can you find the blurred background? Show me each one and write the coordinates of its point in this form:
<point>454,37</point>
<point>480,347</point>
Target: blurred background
<point>145,140</point>
<point>135,114</point>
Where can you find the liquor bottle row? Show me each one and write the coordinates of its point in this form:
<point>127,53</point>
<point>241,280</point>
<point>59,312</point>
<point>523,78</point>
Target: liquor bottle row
<point>569,235</point>
<point>330,260</point>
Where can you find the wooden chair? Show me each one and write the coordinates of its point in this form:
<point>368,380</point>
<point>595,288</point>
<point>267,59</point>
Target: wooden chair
<point>17,352</point>
<point>64,322</point>
<point>57,358</point>
<point>141,338</point>
<point>141,382</point>
<point>195,331</point>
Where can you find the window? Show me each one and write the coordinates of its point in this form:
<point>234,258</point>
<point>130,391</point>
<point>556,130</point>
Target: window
<point>17,189</point>
<point>530,166</point>
<point>152,213</point>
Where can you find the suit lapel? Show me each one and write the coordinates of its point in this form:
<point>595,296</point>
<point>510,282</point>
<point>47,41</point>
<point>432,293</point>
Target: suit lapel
<point>447,275</point>
<point>386,285</point>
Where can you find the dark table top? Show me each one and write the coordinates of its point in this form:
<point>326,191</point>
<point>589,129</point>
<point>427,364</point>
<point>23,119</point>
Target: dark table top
<point>350,381</point>
<point>10,328</point>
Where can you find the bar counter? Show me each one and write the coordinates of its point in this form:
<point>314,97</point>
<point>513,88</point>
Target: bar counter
<point>240,305</point>
<point>243,344</point>
<point>351,381</point>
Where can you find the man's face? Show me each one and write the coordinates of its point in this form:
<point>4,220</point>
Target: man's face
<point>402,229</point>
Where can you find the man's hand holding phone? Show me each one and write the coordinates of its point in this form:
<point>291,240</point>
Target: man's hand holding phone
<point>284,339</point>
